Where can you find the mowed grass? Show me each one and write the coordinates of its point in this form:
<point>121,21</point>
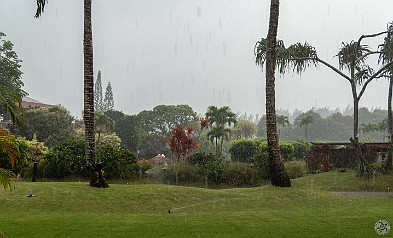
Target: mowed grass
<point>73,209</point>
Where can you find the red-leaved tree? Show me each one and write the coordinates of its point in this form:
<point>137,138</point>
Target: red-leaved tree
<point>181,143</point>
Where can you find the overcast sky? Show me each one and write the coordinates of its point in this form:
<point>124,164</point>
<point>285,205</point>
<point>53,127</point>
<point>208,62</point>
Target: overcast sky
<point>195,52</point>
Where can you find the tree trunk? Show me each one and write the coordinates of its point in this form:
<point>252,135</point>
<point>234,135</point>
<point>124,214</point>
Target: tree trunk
<point>279,176</point>
<point>97,179</point>
<point>390,125</point>
<point>363,166</point>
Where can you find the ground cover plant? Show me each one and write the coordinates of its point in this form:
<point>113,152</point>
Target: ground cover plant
<point>73,209</point>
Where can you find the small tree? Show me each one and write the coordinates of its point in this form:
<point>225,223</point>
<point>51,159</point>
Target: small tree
<point>181,142</point>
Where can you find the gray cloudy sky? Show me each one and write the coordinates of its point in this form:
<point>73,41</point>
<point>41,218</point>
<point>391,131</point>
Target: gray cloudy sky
<point>196,52</point>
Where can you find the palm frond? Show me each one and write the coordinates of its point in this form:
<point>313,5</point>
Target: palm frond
<point>5,180</point>
<point>386,49</point>
<point>296,57</point>
<point>40,7</point>
<point>7,142</point>
<point>12,103</point>
<point>349,53</point>
<point>301,56</point>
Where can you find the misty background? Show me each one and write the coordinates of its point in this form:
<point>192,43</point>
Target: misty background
<point>195,52</point>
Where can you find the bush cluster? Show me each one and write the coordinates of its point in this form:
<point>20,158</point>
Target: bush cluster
<point>202,168</point>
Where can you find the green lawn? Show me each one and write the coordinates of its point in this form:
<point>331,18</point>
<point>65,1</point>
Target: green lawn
<point>73,209</point>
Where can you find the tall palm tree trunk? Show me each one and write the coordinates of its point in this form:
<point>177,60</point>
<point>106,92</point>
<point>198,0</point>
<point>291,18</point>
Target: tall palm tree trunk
<point>279,176</point>
<point>97,180</point>
<point>390,125</point>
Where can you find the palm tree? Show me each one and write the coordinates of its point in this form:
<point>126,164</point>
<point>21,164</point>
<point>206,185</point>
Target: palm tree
<point>305,121</point>
<point>282,121</point>
<point>218,119</point>
<point>97,179</point>
<point>220,116</point>
<point>216,135</point>
<point>386,57</point>
<point>279,176</point>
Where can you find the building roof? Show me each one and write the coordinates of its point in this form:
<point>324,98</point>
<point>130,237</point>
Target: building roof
<point>28,99</point>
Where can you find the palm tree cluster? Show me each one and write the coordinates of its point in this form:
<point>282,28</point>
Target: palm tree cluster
<point>220,119</point>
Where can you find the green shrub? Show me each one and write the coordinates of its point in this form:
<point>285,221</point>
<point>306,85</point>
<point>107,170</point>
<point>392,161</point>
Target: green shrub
<point>261,164</point>
<point>200,159</point>
<point>287,150</point>
<point>295,169</point>
<point>240,174</point>
<point>243,150</point>
<point>66,159</point>
<point>299,149</point>
<point>117,162</point>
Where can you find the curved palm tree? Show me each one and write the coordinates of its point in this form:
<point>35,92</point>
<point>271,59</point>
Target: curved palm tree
<point>97,179</point>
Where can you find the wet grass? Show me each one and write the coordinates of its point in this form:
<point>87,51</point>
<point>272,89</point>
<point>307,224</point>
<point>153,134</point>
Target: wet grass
<point>345,181</point>
<point>73,209</point>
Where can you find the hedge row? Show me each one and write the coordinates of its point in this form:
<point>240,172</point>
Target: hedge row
<point>244,150</point>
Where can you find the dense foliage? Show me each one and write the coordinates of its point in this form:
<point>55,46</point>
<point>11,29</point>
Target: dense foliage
<point>52,125</point>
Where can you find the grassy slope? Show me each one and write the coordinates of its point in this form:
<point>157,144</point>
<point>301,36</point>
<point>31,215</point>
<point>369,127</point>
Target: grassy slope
<point>76,210</point>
